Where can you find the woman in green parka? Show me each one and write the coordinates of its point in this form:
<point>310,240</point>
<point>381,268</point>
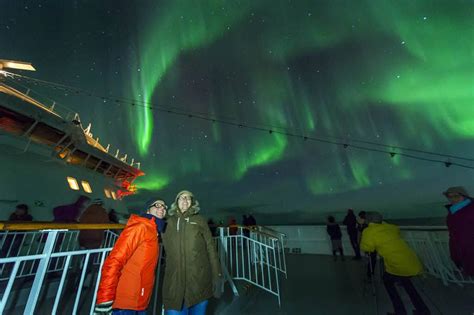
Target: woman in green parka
<point>192,267</point>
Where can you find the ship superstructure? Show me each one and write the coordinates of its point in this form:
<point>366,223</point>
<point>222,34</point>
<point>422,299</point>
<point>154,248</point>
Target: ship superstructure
<point>49,156</point>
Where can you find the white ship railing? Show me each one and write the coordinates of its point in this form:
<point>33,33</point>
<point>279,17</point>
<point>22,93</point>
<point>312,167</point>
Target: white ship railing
<point>16,243</point>
<point>47,256</point>
<point>13,81</point>
<point>281,263</point>
<point>51,255</point>
<point>252,256</point>
<point>432,246</point>
<point>431,243</point>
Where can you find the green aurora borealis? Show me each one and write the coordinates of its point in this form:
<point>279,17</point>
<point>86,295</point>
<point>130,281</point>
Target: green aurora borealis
<point>394,72</point>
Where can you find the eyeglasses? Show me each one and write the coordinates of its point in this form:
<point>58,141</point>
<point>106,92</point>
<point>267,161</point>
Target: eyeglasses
<point>159,205</point>
<point>183,198</point>
<point>451,196</point>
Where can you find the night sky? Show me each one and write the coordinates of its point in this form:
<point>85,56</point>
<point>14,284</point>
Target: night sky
<point>389,72</point>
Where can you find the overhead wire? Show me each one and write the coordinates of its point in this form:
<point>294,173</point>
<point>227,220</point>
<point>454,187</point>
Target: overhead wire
<point>346,143</point>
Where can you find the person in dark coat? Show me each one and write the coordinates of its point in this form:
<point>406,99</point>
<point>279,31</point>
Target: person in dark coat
<point>70,213</point>
<point>21,214</point>
<point>251,220</point>
<point>65,214</point>
<point>92,239</point>
<point>212,227</point>
<point>460,222</point>
<point>13,242</point>
<point>334,232</point>
<point>246,224</point>
<point>95,213</point>
<point>113,218</point>
<point>350,221</point>
<point>233,228</point>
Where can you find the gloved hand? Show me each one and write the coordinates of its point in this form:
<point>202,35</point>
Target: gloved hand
<point>104,308</point>
<point>217,287</point>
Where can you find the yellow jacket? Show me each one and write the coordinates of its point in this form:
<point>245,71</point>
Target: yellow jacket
<point>399,258</point>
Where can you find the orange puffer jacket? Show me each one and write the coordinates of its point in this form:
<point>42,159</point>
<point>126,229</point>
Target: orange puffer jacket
<point>128,274</point>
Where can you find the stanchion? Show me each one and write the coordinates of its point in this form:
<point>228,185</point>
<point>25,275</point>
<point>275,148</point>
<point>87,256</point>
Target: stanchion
<point>372,281</point>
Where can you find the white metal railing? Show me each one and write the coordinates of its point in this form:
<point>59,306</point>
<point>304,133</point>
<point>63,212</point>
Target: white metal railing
<point>431,243</point>
<point>56,259</point>
<point>20,84</point>
<point>17,243</point>
<point>255,257</point>
<point>281,258</point>
<point>432,246</point>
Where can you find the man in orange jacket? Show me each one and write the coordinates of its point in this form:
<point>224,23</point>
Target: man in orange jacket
<point>128,274</point>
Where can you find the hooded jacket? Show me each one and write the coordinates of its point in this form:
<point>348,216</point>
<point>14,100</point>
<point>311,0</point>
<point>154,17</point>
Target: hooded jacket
<point>128,274</point>
<point>69,213</point>
<point>192,264</point>
<point>461,237</point>
<point>399,258</point>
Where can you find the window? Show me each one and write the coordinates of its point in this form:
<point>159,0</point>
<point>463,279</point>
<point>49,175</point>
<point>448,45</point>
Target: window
<point>114,196</point>
<point>86,186</point>
<point>72,183</point>
<point>107,193</point>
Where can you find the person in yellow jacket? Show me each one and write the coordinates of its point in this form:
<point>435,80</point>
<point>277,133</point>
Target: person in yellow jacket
<point>400,261</point>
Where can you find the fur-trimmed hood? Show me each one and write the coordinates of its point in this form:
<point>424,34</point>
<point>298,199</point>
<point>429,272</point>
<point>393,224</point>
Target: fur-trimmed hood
<point>193,209</point>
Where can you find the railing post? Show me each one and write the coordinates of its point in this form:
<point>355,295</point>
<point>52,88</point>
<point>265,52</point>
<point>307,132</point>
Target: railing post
<point>94,298</point>
<point>276,273</point>
<point>283,254</point>
<point>61,285</point>
<point>6,294</point>
<point>40,273</point>
<point>438,260</point>
<point>223,261</point>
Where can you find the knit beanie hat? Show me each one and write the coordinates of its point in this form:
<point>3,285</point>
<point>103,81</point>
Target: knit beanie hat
<point>374,217</point>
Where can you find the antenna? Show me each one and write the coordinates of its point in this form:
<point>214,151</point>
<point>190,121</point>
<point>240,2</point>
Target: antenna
<point>88,129</point>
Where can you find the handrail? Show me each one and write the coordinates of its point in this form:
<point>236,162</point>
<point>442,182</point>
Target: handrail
<point>423,228</point>
<point>44,261</point>
<point>258,258</point>
<point>263,227</point>
<point>16,226</point>
<point>251,228</point>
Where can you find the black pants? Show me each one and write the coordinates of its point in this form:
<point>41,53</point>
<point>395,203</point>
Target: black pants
<point>389,281</point>
<point>355,243</point>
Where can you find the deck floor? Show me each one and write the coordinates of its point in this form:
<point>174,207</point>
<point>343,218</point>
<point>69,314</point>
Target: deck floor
<point>318,285</point>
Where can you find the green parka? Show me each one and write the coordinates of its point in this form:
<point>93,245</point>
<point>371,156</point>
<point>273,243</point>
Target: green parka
<point>192,265</point>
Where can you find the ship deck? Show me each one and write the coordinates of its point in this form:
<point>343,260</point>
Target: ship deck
<point>315,285</point>
<point>318,285</point>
